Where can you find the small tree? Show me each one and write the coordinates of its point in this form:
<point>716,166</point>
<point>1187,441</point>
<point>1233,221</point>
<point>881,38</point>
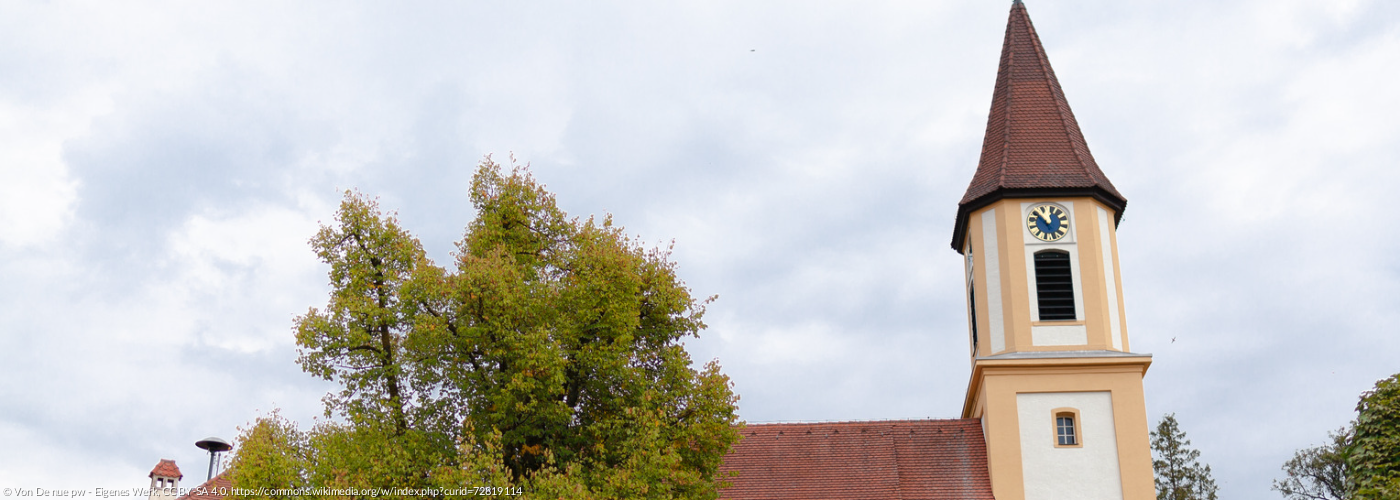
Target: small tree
<point>1178,474</point>
<point>272,453</point>
<point>1374,457</point>
<point>1320,472</point>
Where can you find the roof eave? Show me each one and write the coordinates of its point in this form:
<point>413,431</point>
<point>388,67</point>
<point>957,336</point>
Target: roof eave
<point>1109,198</point>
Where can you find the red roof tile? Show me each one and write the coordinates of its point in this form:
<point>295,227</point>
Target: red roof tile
<point>166,468</point>
<point>897,459</point>
<point>1033,145</point>
<point>213,489</point>
<point>905,459</point>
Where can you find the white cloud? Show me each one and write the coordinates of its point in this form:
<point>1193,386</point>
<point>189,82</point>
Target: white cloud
<point>223,266</point>
<point>37,192</point>
<point>161,172</point>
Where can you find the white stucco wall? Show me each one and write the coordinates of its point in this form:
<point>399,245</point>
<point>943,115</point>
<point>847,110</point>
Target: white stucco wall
<point>1066,244</point>
<point>1059,335</point>
<point>995,327</point>
<point>1110,280</point>
<point>1087,472</point>
<point>169,492</point>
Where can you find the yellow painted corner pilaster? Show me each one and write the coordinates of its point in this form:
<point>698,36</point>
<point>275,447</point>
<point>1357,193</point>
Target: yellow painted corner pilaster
<point>1018,302</point>
<point>1096,318</point>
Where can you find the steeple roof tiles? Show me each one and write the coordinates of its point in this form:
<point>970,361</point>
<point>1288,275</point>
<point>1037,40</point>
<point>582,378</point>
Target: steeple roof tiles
<point>1033,143</point>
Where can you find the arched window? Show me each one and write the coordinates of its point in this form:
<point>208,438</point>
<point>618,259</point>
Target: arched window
<point>1064,430</point>
<point>1054,285</point>
<point>1067,433</point>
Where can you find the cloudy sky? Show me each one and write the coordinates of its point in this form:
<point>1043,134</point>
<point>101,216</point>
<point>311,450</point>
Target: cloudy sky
<point>163,165</point>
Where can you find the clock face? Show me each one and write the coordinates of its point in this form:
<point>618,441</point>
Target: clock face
<point>1048,223</point>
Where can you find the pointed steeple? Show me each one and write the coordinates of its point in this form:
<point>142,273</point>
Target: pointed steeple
<point>1033,146</point>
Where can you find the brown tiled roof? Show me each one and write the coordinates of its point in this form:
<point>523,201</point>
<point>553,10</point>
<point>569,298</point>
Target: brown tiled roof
<point>895,459</point>
<point>213,489</point>
<point>904,459</point>
<point>1033,145</point>
<point>166,468</point>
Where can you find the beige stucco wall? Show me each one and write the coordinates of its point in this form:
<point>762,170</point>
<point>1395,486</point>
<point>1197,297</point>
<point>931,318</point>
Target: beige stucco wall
<point>993,396</point>
<point>1004,279</point>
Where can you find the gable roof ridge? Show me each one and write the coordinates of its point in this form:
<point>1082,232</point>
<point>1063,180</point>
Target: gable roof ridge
<point>861,422</point>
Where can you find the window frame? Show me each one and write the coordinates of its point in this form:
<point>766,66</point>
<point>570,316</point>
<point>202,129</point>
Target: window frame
<point>1077,427</point>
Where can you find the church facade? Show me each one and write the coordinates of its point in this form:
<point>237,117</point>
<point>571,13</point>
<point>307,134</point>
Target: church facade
<point>1054,407</point>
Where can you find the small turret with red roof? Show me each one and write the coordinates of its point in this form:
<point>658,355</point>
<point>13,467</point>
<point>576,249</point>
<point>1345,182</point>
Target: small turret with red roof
<point>165,480</point>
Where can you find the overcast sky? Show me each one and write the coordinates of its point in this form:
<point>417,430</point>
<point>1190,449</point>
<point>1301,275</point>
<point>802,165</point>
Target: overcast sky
<point>162,167</point>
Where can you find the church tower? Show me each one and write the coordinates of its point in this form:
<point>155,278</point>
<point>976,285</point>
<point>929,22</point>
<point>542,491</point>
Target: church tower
<point>1054,384</point>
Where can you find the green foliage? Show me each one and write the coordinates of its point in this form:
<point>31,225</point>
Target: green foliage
<point>272,453</point>
<point>1374,456</point>
<point>1319,473</point>
<point>1179,476</point>
<point>549,358</point>
<point>373,456</point>
<point>358,340</point>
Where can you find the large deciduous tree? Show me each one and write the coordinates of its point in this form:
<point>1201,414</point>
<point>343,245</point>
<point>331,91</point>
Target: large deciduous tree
<point>1179,474</point>
<point>549,357</point>
<point>1374,455</point>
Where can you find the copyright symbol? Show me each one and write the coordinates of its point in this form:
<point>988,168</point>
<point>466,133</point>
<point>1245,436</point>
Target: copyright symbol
<point>8,491</point>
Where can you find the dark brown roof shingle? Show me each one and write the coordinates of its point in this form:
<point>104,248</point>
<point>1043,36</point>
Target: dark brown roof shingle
<point>1033,145</point>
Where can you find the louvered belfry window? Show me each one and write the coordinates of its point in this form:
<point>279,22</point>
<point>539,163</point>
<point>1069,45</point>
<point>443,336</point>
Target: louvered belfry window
<point>1054,286</point>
